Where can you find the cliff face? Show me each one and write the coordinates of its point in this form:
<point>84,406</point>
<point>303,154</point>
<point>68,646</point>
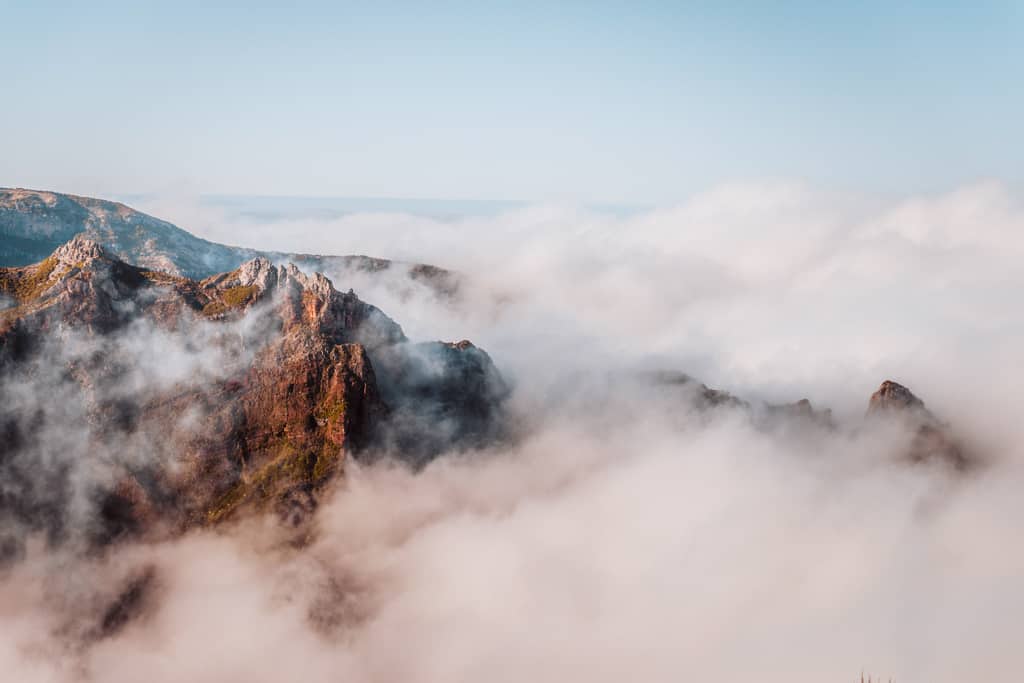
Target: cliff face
<point>280,378</point>
<point>895,398</point>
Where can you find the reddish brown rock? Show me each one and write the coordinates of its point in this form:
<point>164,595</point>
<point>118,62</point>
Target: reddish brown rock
<point>295,390</point>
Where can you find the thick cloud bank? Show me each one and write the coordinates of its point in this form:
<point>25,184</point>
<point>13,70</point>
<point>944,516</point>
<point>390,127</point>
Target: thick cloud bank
<point>625,534</point>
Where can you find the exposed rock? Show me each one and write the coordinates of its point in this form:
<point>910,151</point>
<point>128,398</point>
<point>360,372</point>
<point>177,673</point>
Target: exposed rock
<point>893,397</point>
<point>932,438</point>
<point>305,377</point>
<point>78,252</point>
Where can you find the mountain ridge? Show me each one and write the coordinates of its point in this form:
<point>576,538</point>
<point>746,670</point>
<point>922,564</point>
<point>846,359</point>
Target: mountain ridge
<point>280,379</point>
<point>252,388</point>
<point>35,222</point>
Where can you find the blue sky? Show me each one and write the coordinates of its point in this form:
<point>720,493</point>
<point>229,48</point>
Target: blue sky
<point>596,102</point>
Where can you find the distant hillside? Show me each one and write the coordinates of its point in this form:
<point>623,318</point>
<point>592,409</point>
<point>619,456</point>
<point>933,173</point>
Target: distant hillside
<point>34,223</point>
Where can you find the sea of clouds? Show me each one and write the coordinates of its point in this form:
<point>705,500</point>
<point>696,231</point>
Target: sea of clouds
<point>623,534</point>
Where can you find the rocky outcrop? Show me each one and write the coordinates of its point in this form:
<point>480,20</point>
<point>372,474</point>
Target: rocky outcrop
<point>299,377</point>
<point>892,397</point>
<point>932,438</point>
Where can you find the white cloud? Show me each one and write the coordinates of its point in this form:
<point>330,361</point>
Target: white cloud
<point>625,537</point>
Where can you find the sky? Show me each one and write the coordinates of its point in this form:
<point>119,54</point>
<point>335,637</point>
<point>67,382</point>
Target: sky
<point>829,196</point>
<point>635,103</point>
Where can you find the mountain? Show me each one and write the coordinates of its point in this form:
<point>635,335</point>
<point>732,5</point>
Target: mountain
<point>166,402</point>
<point>33,223</point>
<point>138,402</point>
<point>932,438</point>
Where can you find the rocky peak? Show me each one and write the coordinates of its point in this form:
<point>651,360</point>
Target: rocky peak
<point>36,287</point>
<point>79,251</point>
<point>262,274</point>
<point>932,437</point>
<point>893,396</point>
<point>317,283</point>
<point>258,272</point>
<point>301,302</point>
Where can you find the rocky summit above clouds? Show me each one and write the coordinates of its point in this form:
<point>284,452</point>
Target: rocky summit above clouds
<point>932,437</point>
<point>892,397</point>
<point>167,402</point>
<point>33,223</point>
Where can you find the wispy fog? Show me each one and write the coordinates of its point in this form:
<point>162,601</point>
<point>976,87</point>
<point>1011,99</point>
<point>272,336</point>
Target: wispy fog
<point>774,289</point>
<point>624,534</point>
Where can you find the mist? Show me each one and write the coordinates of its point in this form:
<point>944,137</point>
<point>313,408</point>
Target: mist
<point>774,289</point>
<point>623,532</point>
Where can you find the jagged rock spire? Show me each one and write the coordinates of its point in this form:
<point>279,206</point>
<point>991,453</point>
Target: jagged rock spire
<point>79,250</point>
<point>893,396</point>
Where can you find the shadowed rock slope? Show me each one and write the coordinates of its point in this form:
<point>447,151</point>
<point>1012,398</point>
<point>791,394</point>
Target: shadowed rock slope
<point>163,402</point>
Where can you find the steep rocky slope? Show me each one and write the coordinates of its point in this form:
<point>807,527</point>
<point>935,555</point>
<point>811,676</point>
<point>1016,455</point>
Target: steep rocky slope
<point>163,401</point>
<point>33,223</point>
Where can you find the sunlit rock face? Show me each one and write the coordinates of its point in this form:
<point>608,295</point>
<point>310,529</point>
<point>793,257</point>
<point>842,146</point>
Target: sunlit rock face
<point>159,402</point>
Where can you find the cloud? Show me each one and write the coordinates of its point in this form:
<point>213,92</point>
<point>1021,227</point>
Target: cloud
<point>626,534</point>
